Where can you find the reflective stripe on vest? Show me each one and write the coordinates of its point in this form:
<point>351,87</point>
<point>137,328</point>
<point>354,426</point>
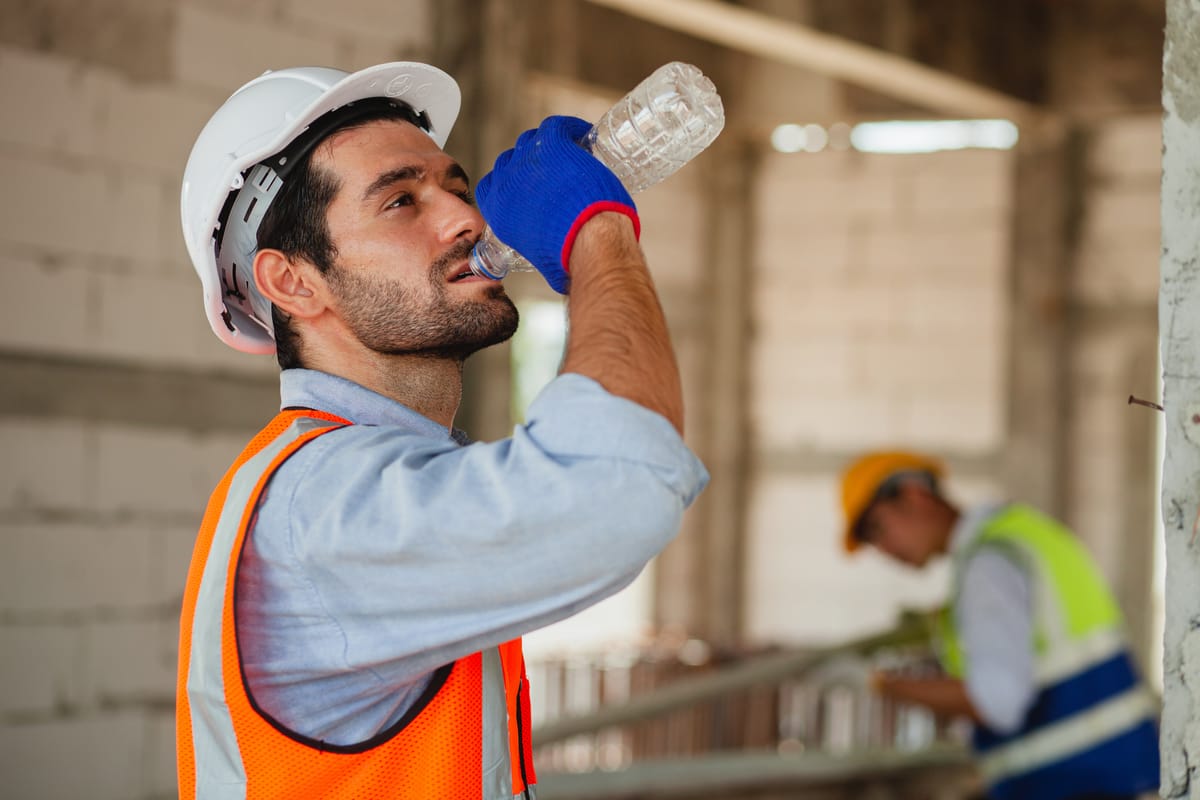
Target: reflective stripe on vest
<point>1069,736</point>
<point>1090,727</point>
<point>228,748</point>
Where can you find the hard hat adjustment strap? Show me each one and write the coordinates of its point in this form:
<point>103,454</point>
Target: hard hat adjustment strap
<point>286,159</point>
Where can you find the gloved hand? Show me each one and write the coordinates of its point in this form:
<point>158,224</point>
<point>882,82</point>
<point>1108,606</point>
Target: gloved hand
<point>541,192</point>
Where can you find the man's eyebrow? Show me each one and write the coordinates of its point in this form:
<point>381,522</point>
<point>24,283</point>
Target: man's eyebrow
<point>410,173</point>
<point>386,179</point>
<point>455,170</point>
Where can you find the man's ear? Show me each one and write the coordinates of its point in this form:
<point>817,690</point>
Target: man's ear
<point>291,284</point>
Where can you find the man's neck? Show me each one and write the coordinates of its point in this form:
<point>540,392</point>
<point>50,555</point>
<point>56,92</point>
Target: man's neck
<point>950,516</point>
<point>429,385</point>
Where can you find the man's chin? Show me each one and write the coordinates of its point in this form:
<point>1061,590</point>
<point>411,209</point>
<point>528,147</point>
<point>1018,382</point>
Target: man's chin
<point>507,317</point>
<point>495,326</point>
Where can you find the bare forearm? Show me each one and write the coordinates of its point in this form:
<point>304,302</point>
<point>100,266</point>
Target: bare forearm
<point>943,696</point>
<point>618,334</point>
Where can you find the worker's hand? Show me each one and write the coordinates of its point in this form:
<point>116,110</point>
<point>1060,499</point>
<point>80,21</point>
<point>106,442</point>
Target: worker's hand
<point>542,191</point>
<point>878,681</point>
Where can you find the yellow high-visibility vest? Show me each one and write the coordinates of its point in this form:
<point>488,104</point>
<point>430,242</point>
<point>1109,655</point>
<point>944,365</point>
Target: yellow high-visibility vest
<point>1092,727</point>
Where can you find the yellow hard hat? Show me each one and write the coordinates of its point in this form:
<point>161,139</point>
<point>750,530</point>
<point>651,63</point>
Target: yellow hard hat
<point>863,478</point>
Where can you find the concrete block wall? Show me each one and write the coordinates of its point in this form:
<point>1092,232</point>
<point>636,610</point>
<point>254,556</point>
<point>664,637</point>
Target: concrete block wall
<point>100,500</point>
<point>1117,264</point>
<point>96,525</point>
<point>880,300</point>
<point>880,321</point>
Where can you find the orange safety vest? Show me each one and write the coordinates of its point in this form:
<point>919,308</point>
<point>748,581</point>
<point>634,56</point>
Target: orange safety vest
<point>468,737</point>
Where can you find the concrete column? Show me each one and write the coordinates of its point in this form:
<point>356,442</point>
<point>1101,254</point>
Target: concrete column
<point>727,435</point>
<point>1036,445</point>
<point>699,578</point>
<point>1133,582</point>
<point>483,44</point>
<point>1179,325</point>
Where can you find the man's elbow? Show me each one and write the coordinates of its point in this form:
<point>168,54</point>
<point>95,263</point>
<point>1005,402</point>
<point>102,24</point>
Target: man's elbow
<point>1002,712</point>
<point>645,527</point>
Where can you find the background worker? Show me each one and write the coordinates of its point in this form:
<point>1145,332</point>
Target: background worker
<point>362,577</point>
<point>1031,640</point>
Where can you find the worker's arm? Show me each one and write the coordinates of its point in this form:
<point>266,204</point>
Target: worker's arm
<point>568,214</point>
<point>618,333</point>
<point>946,697</point>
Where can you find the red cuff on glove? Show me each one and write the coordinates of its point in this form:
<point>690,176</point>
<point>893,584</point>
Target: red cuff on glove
<point>598,207</point>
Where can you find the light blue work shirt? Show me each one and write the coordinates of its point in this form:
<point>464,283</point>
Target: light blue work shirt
<point>386,549</point>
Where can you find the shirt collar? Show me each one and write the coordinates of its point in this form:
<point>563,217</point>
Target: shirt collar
<point>306,388</point>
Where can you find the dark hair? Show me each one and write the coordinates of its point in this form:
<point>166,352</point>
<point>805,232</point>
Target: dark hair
<point>295,224</point>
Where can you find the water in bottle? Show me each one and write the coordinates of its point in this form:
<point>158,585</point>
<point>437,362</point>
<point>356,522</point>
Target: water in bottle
<point>665,122</point>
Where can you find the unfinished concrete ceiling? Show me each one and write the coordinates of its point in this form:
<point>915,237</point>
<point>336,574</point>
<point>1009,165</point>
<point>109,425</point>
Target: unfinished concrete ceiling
<point>1079,56</point>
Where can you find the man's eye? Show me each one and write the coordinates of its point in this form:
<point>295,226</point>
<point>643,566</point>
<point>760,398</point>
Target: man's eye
<point>401,200</point>
<point>466,196</point>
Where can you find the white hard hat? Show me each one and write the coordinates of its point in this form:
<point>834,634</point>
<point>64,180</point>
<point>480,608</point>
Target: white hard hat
<point>257,122</point>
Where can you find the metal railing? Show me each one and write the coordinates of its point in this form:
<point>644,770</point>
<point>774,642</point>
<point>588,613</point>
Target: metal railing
<point>671,720</point>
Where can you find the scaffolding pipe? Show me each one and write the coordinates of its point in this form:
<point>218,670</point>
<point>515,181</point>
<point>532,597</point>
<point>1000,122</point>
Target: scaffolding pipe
<point>756,671</point>
<point>722,774</point>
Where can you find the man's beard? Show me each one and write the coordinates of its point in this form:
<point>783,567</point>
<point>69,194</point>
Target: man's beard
<point>394,319</point>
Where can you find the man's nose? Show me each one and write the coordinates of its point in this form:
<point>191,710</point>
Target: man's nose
<point>462,219</point>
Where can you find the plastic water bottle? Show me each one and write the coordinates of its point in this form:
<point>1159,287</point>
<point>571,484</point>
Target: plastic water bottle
<point>665,122</point>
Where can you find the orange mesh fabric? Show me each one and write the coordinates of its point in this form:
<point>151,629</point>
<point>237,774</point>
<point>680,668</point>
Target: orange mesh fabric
<point>437,755</point>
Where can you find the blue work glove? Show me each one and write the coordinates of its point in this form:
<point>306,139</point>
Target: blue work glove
<point>541,192</point>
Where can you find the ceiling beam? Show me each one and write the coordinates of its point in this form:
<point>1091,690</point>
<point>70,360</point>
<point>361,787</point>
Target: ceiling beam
<point>792,43</point>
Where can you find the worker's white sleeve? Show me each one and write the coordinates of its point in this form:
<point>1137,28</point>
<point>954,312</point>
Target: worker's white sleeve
<point>995,613</point>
